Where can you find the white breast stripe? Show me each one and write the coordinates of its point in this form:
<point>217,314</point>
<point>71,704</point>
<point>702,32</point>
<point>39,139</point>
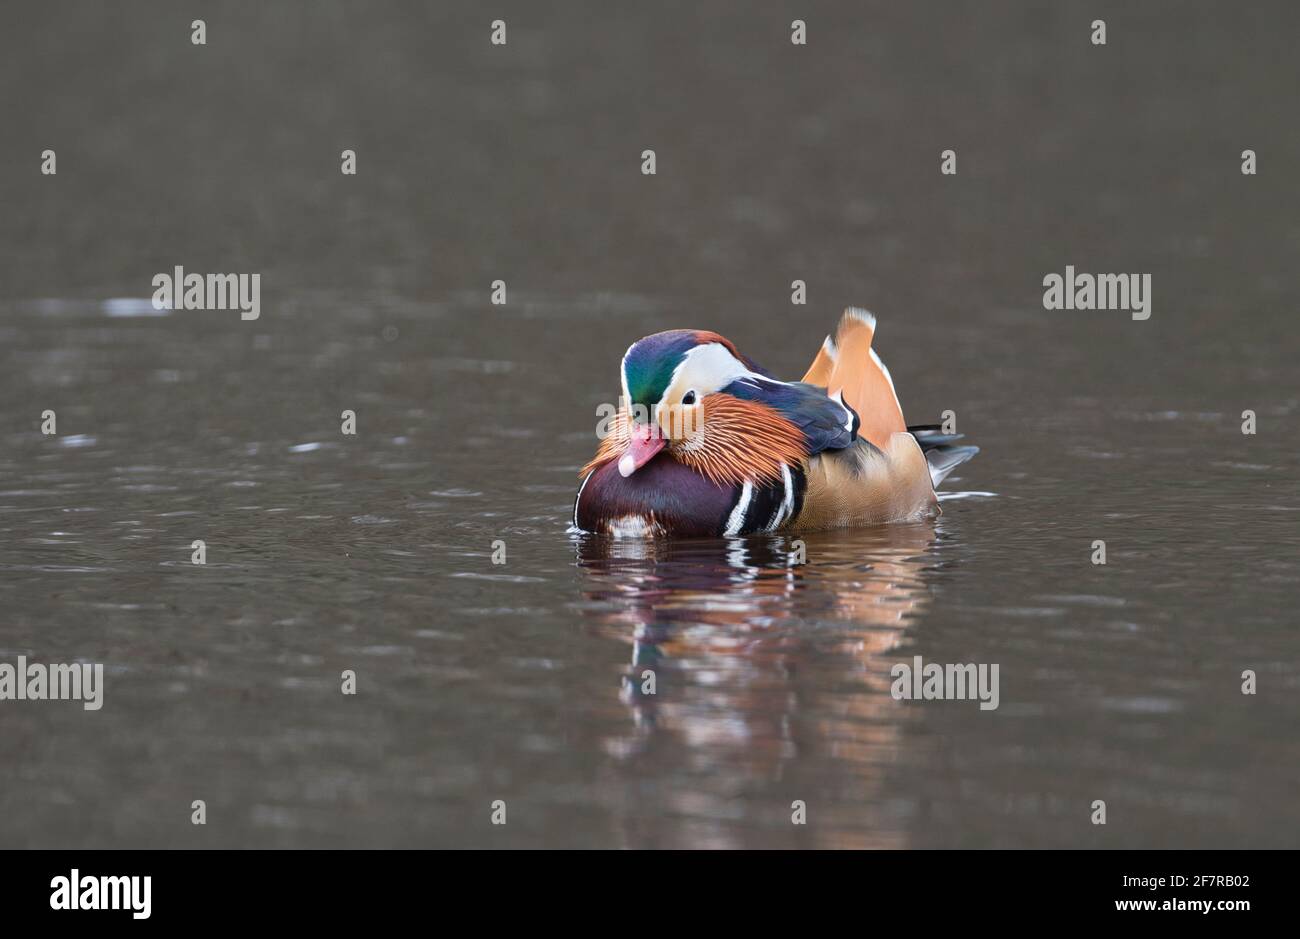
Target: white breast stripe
<point>787,501</point>
<point>579,499</point>
<point>736,521</point>
<point>787,504</point>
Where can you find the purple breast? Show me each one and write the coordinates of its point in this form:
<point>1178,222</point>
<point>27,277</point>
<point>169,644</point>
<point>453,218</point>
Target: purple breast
<point>663,493</point>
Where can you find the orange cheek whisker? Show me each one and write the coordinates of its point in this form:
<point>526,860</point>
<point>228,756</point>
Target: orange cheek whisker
<point>611,446</point>
<point>742,440</point>
<point>732,441</point>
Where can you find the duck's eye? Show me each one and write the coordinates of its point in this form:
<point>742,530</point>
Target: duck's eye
<point>689,397</point>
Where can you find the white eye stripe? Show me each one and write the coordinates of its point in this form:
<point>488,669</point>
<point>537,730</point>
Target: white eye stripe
<point>704,370</point>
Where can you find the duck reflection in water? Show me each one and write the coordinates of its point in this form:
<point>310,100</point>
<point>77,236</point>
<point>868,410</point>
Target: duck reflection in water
<point>764,675</point>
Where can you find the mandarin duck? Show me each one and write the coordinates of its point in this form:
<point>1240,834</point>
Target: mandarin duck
<point>708,443</point>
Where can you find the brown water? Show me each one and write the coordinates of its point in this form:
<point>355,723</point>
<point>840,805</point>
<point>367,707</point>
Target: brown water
<point>522,681</point>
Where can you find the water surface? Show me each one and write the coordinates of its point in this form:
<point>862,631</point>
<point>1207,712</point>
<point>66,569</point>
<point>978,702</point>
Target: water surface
<point>522,681</point>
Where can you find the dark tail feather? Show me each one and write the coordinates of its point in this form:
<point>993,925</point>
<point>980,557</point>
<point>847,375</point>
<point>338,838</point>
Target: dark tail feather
<point>932,435</point>
<point>939,451</point>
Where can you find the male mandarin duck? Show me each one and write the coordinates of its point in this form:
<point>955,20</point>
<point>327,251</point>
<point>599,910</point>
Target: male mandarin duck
<point>707,443</point>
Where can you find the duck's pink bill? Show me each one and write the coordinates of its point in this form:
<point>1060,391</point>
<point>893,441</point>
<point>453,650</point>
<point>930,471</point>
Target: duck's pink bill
<point>645,442</point>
